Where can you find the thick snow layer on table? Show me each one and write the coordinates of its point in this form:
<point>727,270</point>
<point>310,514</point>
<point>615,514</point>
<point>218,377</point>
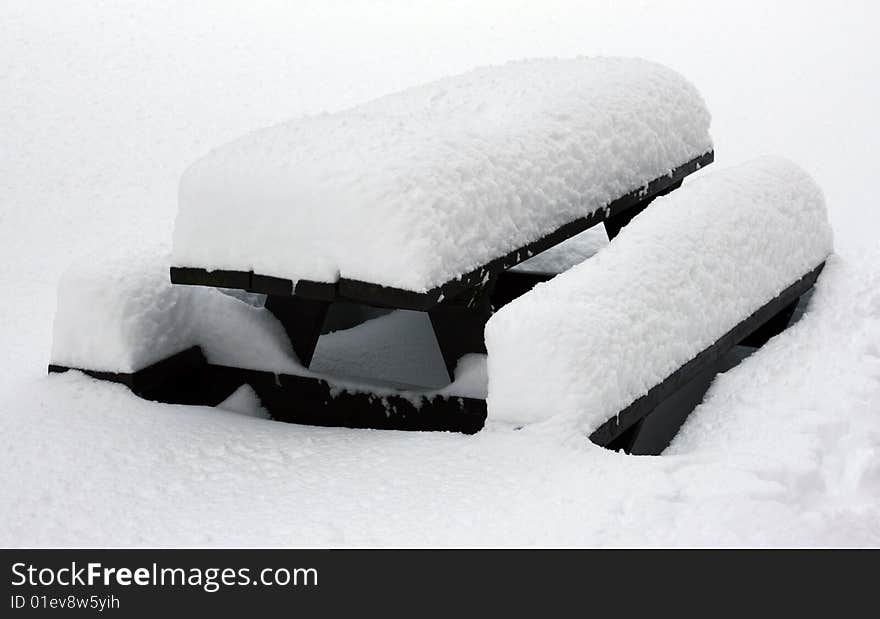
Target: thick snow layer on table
<point>586,344</point>
<point>416,188</point>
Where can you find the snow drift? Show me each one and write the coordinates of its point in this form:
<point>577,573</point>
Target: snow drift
<point>121,314</point>
<point>588,343</point>
<point>414,189</point>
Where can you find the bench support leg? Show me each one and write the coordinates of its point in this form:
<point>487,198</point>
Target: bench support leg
<point>458,331</point>
<point>772,327</point>
<point>625,441</point>
<point>459,324</point>
<point>614,224</point>
<point>302,319</point>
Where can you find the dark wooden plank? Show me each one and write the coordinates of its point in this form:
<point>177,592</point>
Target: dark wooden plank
<point>183,378</point>
<point>316,402</point>
<point>302,319</point>
<point>191,276</point>
<point>186,378</point>
<point>265,284</point>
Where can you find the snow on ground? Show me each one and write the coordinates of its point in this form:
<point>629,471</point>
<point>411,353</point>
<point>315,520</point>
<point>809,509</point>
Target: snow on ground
<point>103,107</point>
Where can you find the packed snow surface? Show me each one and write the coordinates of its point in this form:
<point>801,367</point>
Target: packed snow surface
<point>581,347</point>
<point>414,189</point>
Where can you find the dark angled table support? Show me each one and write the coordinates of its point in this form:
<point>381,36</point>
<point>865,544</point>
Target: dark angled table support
<point>615,223</point>
<point>625,440</point>
<point>459,331</point>
<point>459,324</point>
<point>513,284</point>
<point>302,319</point>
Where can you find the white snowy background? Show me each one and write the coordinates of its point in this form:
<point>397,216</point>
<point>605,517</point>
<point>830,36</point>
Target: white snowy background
<point>104,104</point>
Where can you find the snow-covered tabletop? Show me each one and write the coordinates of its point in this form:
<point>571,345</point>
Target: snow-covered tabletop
<point>416,188</point>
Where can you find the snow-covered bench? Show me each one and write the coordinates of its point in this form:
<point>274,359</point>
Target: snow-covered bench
<point>600,346</point>
<point>427,195</point>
